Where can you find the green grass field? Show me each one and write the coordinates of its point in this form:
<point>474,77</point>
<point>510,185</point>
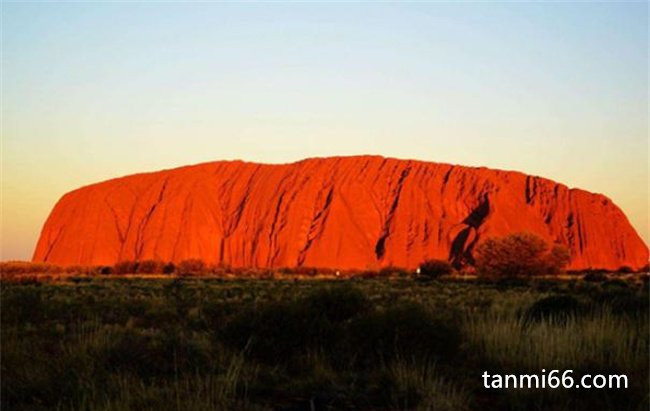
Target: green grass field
<point>373,344</point>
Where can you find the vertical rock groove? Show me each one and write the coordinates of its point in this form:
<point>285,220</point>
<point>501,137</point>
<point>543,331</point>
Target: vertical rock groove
<point>380,246</point>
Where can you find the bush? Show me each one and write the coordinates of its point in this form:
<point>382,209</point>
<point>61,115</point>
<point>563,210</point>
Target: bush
<point>403,331</point>
<point>271,333</point>
<point>623,301</point>
<point>218,270</point>
<point>106,270</point>
<point>595,277</point>
<point>310,271</point>
<point>192,266</point>
<point>508,283</point>
<point>126,267</point>
<point>338,323</point>
<point>557,259</point>
<point>391,271</point>
<point>75,269</point>
<point>26,267</point>
<point>555,309</point>
<point>435,268</point>
<point>169,268</point>
<point>517,255</point>
<point>147,355</point>
<point>614,283</point>
<point>336,304</point>
<point>274,332</point>
<point>150,267</point>
<point>26,304</point>
<point>368,274</point>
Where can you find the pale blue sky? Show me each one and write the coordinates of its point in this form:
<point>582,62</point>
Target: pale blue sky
<point>97,90</point>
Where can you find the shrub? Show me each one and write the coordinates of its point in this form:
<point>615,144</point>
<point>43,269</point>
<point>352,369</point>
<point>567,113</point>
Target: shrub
<point>392,271</point>
<point>557,259</point>
<point>407,330</point>
<point>336,304</point>
<point>309,271</point>
<point>623,301</point>
<point>126,267</point>
<point>274,332</point>
<point>34,280</point>
<point>435,268</point>
<point>147,355</point>
<point>595,277</point>
<point>520,254</point>
<point>271,333</point>
<point>508,283</point>
<point>75,269</point>
<point>150,267</point>
<point>614,283</point>
<point>192,266</point>
<point>26,267</point>
<point>169,268</point>
<point>26,304</point>
<point>368,274</point>
<point>555,309</point>
<point>219,270</point>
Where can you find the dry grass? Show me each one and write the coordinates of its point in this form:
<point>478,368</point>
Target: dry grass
<point>122,343</point>
<point>598,337</point>
<point>419,386</point>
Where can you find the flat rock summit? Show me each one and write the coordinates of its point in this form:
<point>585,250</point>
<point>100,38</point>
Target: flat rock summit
<point>340,212</point>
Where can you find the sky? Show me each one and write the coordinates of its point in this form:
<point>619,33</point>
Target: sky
<point>96,90</point>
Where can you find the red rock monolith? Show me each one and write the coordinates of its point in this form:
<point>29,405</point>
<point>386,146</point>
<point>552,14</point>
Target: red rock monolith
<point>341,212</point>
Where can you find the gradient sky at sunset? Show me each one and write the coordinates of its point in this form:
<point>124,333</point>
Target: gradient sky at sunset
<point>92,91</point>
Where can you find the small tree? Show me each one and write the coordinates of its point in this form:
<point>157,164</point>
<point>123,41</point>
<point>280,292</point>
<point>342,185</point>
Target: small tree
<point>520,254</point>
<point>558,258</point>
<point>435,268</point>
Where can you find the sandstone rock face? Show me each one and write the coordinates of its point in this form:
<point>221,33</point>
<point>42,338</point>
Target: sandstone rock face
<point>341,212</point>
